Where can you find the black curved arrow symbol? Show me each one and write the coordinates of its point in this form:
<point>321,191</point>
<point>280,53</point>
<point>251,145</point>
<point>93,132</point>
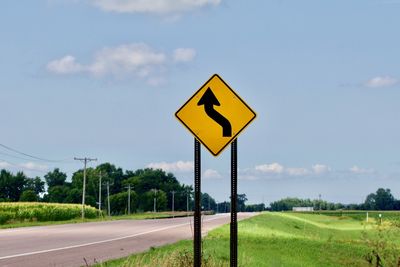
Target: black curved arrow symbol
<point>209,101</point>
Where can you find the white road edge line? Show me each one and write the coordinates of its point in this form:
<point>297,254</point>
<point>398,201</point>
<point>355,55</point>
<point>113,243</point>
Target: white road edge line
<point>102,241</point>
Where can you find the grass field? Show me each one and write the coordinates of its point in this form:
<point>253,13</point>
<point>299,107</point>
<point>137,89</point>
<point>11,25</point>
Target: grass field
<point>362,215</point>
<point>286,239</point>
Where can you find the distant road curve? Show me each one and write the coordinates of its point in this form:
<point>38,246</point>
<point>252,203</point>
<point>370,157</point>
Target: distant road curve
<point>78,244</point>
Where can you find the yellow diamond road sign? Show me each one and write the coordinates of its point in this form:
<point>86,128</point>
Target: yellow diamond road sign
<point>215,115</point>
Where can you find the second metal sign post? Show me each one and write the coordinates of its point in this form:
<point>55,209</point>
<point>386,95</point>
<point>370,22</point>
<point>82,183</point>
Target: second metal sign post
<point>215,115</point>
<point>197,205</point>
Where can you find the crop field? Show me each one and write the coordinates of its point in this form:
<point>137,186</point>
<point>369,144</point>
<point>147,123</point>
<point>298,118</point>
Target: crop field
<point>20,214</point>
<point>13,212</point>
<point>289,239</point>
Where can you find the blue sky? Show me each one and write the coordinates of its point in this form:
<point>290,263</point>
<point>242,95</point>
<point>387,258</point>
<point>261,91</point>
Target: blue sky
<point>103,78</point>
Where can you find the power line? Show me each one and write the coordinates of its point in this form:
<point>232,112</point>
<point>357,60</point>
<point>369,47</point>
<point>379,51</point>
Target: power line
<point>12,156</point>
<point>21,167</point>
<point>31,156</point>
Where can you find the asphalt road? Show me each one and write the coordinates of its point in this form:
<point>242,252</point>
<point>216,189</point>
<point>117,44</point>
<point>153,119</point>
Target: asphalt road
<point>87,243</point>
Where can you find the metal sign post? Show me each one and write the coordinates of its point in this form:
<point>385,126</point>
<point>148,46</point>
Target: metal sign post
<point>234,230</point>
<point>215,115</point>
<point>197,207</point>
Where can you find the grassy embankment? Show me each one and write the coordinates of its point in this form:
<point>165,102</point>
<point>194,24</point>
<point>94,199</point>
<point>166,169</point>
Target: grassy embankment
<point>286,239</point>
<point>361,215</point>
<point>20,214</point>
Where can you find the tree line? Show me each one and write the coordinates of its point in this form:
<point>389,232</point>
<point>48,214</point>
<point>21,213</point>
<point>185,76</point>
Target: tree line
<point>149,189</point>
<point>148,186</point>
<point>382,199</point>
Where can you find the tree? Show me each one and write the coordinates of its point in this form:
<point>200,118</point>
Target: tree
<point>396,205</point>
<point>119,202</point>
<point>5,180</point>
<point>255,207</point>
<point>289,203</point>
<point>112,174</point>
<point>369,203</point>
<point>384,199</point>
<point>92,182</point>
<point>207,202</point>
<point>57,194</point>
<point>241,202</point>
<point>146,201</point>
<point>224,207</point>
<point>35,184</point>
<point>74,195</point>
<point>11,186</point>
<point>144,180</point>
<point>29,196</point>
<point>55,178</point>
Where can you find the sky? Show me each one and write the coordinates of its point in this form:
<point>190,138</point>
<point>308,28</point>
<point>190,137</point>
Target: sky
<point>103,79</point>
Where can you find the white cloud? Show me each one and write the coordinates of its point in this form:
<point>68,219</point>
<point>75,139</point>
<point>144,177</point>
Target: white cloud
<point>276,168</point>
<point>358,170</point>
<point>153,6</point>
<point>65,65</point>
<point>137,59</point>
<point>248,177</point>
<point>212,174</point>
<point>381,81</point>
<point>179,166</point>
<point>33,166</point>
<point>270,168</point>
<point>278,171</point>
<point>4,165</point>
<point>184,54</point>
<point>297,171</point>
<point>320,168</point>
<point>156,81</point>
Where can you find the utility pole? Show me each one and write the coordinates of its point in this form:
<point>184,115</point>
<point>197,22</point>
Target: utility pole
<point>173,204</point>
<point>319,196</point>
<point>100,192</point>
<point>108,198</point>
<point>85,161</point>
<point>129,199</point>
<point>154,200</point>
<point>187,203</point>
<point>209,199</point>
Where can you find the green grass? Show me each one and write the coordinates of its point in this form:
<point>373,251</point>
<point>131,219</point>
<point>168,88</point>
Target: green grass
<point>136,216</point>
<point>361,215</point>
<point>281,239</point>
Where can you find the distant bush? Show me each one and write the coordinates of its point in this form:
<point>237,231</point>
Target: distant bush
<point>5,217</point>
<point>28,196</point>
<point>35,211</point>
